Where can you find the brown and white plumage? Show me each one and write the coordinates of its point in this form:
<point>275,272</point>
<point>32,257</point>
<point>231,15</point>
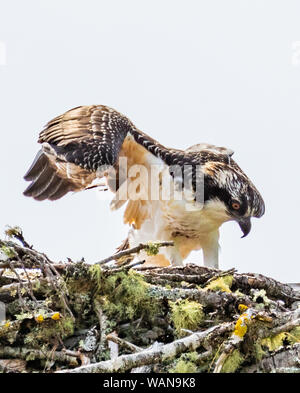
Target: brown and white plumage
<point>82,145</point>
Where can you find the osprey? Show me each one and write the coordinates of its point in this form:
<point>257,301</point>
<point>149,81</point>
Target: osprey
<point>95,142</point>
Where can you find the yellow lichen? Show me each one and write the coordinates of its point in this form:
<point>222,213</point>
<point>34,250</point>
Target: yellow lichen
<point>56,316</point>
<point>48,331</point>
<point>5,324</point>
<point>186,314</point>
<point>221,284</point>
<point>241,328</point>
<point>39,318</point>
<point>242,307</point>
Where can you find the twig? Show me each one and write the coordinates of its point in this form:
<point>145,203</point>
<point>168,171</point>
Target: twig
<point>132,250</point>
<point>221,274</point>
<point>124,267</point>
<point>28,280</point>
<point>123,343</point>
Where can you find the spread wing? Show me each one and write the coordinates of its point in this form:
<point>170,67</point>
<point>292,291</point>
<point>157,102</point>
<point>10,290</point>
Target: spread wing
<point>74,146</point>
<point>78,147</point>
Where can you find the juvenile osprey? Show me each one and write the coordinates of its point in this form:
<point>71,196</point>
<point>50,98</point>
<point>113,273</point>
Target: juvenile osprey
<point>88,142</point>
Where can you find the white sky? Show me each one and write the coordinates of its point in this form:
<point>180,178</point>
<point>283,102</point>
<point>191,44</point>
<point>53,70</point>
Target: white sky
<point>185,72</point>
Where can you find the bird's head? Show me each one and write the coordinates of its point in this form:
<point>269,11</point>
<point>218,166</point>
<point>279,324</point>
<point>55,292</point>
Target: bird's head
<point>231,194</point>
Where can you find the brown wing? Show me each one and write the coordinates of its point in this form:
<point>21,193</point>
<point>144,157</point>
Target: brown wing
<point>74,146</point>
<point>79,145</point>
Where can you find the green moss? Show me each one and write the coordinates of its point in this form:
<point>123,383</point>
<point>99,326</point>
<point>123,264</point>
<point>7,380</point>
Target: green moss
<point>48,331</point>
<point>186,363</point>
<point>80,291</point>
<point>152,248</point>
<point>270,344</point>
<point>233,362</point>
<point>294,335</point>
<point>186,314</point>
<point>259,353</point>
<point>9,331</point>
<point>184,367</point>
<point>123,295</point>
<point>66,327</point>
<point>239,293</point>
<point>8,251</point>
<point>274,342</point>
<point>126,296</point>
<point>96,274</point>
<point>221,284</point>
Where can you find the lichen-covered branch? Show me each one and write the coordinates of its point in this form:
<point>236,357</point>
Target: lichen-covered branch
<point>33,354</point>
<point>74,317</point>
<point>285,360</point>
<point>146,357</point>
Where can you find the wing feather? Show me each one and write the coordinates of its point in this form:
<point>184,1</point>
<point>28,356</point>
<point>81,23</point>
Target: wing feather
<point>74,146</point>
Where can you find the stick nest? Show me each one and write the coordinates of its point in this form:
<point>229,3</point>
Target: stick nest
<point>118,316</point>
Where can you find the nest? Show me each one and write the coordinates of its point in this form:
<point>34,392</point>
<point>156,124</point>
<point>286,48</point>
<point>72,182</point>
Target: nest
<point>113,316</point>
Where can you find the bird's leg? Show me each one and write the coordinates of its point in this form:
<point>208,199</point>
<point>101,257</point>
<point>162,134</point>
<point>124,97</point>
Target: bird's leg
<point>175,256</point>
<point>210,247</point>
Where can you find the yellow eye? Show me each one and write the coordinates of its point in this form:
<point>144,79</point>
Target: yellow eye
<point>235,205</point>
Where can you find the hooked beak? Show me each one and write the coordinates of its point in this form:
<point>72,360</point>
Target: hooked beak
<point>245,225</point>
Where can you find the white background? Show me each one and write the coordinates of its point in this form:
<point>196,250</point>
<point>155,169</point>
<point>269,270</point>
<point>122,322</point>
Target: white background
<point>222,72</point>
